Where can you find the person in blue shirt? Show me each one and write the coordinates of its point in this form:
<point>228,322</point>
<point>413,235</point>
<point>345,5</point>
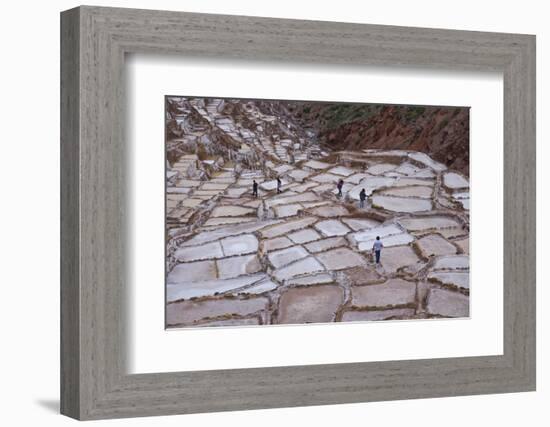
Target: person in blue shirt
<point>377,248</point>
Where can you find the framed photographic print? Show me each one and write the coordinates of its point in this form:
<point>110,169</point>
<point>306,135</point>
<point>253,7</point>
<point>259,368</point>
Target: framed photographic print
<point>237,183</point>
<point>279,212</point>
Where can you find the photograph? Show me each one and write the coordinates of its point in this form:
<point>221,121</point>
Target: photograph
<point>293,212</point>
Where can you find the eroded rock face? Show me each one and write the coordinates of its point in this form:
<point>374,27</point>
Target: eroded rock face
<point>298,251</point>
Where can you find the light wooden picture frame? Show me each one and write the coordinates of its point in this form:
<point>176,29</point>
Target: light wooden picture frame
<point>94,379</point>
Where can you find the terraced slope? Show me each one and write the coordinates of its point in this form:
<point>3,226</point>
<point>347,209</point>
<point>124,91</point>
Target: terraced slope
<point>304,253</point>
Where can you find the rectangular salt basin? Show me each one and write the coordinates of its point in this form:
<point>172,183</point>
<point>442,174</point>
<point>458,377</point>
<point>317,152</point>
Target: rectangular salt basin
<point>189,290</point>
<point>402,204</point>
<point>395,240</point>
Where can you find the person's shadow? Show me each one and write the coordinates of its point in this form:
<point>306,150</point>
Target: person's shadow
<point>51,405</point>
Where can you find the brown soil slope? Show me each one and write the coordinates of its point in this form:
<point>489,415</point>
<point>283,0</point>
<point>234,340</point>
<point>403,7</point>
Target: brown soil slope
<point>440,132</point>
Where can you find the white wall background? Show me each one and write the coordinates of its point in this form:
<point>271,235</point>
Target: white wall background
<point>29,212</point>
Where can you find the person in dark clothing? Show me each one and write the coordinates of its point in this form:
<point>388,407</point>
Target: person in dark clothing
<point>377,248</point>
<point>255,189</point>
<point>339,186</point>
<point>362,198</point>
<point>278,185</point>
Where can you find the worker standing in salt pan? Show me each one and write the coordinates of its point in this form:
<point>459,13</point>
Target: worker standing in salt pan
<point>255,189</point>
<point>339,186</point>
<point>377,248</point>
<point>362,198</point>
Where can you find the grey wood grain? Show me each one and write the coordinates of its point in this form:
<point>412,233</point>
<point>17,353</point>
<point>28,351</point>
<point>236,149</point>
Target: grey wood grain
<point>94,381</point>
<point>70,313</point>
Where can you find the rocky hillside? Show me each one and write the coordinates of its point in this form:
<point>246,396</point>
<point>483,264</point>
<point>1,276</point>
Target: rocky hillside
<point>440,132</point>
